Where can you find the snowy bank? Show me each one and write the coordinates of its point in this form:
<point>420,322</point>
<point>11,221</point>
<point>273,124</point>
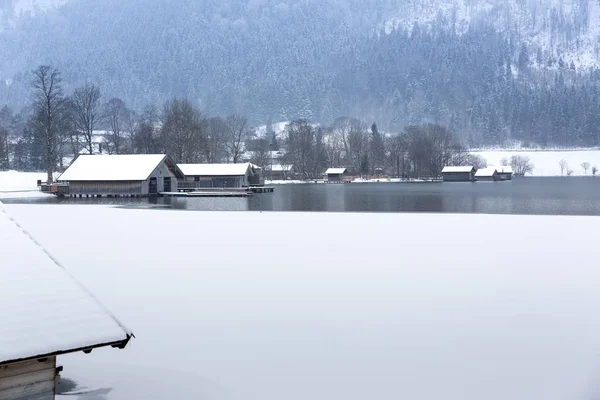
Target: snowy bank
<point>16,184</point>
<point>546,163</point>
<point>392,308</point>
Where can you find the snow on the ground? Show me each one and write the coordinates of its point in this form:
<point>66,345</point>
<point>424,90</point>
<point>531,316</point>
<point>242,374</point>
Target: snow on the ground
<point>352,306</point>
<point>15,184</point>
<point>546,163</point>
<point>16,180</point>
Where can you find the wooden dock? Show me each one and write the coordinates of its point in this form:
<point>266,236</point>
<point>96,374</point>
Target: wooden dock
<point>210,193</point>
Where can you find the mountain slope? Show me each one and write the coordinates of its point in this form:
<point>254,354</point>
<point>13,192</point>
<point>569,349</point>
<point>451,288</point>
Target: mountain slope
<point>558,28</point>
<point>492,70</point>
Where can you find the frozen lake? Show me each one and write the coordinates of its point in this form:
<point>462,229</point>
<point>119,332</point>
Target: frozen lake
<point>295,306</point>
<point>542,196</point>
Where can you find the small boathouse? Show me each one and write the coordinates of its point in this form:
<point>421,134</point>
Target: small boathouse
<point>335,175</point>
<point>486,174</point>
<point>458,174</point>
<point>121,175</point>
<point>220,176</point>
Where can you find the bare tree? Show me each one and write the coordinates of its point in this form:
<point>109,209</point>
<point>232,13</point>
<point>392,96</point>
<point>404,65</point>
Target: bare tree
<point>594,170</point>
<point>521,165</point>
<point>237,132</point>
<point>476,161</point>
<point>145,139</point>
<point>358,146</point>
<point>182,131</point>
<point>130,126</point>
<point>585,165</point>
<point>504,162</point>
<point>86,108</point>
<point>564,166</point>
<point>216,140</point>
<point>49,113</point>
<point>305,149</point>
<point>570,172</point>
<point>261,152</point>
<point>116,114</point>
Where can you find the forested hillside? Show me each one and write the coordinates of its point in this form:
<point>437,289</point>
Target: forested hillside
<point>492,71</point>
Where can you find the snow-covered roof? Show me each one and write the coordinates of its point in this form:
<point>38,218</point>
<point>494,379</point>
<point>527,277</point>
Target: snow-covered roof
<point>486,172</point>
<point>504,169</point>
<point>458,169</point>
<point>45,311</point>
<point>335,171</point>
<point>214,169</point>
<point>121,167</point>
<point>279,168</point>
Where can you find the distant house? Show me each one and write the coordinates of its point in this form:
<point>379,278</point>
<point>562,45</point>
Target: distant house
<point>335,175</point>
<point>279,172</point>
<point>45,313</point>
<point>203,176</point>
<point>121,175</point>
<point>504,173</point>
<point>486,174</point>
<point>459,174</point>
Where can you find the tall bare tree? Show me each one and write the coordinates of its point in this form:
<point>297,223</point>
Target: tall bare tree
<point>116,114</point>
<point>145,138</point>
<point>215,150</point>
<point>182,131</point>
<point>49,113</point>
<point>237,133</point>
<point>585,165</point>
<point>87,114</point>
<point>564,166</point>
<point>305,149</point>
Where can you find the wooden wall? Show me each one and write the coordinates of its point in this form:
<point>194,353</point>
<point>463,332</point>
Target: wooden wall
<point>31,380</point>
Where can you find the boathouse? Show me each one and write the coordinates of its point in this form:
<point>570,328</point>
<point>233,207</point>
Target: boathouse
<point>504,173</point>
<point>121,175</point>
<point>45,313</point>
<point>335,175</point>
<point>486,174</point>
<point>279,172</point>
<point>458,174</point>
<point>205,176</point>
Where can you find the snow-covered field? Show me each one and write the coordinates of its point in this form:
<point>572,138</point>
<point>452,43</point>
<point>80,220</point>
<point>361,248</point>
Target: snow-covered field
<point>546,163</point>
<point>334,306</point>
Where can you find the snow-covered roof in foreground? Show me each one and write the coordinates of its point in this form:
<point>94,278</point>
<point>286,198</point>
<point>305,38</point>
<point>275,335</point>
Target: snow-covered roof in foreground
<point>335,171</point>
<point>214,169</point>
<point>489,171</point>
<point>44,310</point>
<point>458,169</point>
<point>129,167</point>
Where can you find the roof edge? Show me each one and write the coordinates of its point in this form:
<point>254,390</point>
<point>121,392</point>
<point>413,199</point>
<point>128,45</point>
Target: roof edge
<point>119,343</point>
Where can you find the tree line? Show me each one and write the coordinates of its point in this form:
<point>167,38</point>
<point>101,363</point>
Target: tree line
<point>57,126</point>
<point>60,126</point>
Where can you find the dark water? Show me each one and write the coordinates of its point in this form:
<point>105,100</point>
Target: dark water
<point>545,196</point>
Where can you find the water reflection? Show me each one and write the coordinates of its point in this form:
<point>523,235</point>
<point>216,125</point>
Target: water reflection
<point>560,196</point>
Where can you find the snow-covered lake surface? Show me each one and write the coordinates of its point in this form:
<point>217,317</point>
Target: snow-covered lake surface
<point>334,306</point>
<point>546,163</point>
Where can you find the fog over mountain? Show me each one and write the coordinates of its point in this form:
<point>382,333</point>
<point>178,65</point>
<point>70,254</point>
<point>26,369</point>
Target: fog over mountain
<point>491,70</point>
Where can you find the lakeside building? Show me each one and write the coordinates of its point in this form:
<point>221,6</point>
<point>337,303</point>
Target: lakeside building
<point>121,175</point>
<point>45,313</point>
<point>205,176</point>
<point>458,174</point>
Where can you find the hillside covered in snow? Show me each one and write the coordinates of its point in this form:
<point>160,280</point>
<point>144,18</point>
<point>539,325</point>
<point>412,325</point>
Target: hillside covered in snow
<point>491,70</point>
